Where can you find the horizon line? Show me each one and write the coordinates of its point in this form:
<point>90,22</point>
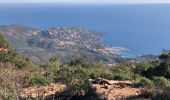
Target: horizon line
<point>79,3</point>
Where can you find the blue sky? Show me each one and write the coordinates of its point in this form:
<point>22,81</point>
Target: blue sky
<point>86,1</point>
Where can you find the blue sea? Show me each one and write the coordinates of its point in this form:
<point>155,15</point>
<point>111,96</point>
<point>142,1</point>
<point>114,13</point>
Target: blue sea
<point>142,28</point>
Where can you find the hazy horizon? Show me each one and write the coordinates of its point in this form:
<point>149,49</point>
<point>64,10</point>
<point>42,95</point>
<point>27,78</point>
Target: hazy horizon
<point>88,1</point>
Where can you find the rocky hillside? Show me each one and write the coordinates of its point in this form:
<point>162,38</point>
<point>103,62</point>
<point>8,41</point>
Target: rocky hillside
<point>40,45</point>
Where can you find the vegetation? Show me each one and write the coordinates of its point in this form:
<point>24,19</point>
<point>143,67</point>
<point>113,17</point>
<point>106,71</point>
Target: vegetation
<point>17,72</point>
<point>3,43</point>
<point>13,69</point>
<point>162,96</point>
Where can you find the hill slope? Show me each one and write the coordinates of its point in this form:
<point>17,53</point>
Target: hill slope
<point>40,45</point>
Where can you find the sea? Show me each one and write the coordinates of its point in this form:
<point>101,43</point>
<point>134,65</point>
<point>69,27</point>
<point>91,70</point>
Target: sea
<point>142,28</point>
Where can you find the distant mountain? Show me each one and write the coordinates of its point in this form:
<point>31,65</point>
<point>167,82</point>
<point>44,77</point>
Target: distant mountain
<point>17,34</point>
<point>64,42</point>
<point>147,58</point>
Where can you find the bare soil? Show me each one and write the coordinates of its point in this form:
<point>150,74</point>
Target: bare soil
<point>116,90</point>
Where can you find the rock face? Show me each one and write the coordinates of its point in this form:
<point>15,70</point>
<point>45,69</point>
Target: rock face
<point>40,45</point>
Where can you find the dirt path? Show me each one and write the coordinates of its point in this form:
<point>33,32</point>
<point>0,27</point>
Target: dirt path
<point>42,91</point>
<point>119,90</point>
<point>116,90</point>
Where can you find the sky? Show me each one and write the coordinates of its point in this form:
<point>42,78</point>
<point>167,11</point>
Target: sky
<point>86,1</point>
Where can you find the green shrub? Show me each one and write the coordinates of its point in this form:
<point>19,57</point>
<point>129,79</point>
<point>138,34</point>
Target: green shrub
<point>52,66</point>
<point>142,81</point>
<point>99,70</point>
<point>80,60</point>
<point>162,96</point>
<point>7,94</point>
<point>161,82</point>
<point>3,43</point>
<point>122,76</point>
<point>71,74</point>
<point>122,73</point>
<point>142,67</point>
<point>164,56</point>
<point>3,57</point>
<point>162,70</point>
<point>146,94</point>
<point>78,85</point>
<point>6,57</point>
<point>37,78</point>
<point>21,64</point>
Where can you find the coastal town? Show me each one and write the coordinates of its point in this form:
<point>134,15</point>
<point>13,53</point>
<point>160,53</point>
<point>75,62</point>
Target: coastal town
<point>73,38</point>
